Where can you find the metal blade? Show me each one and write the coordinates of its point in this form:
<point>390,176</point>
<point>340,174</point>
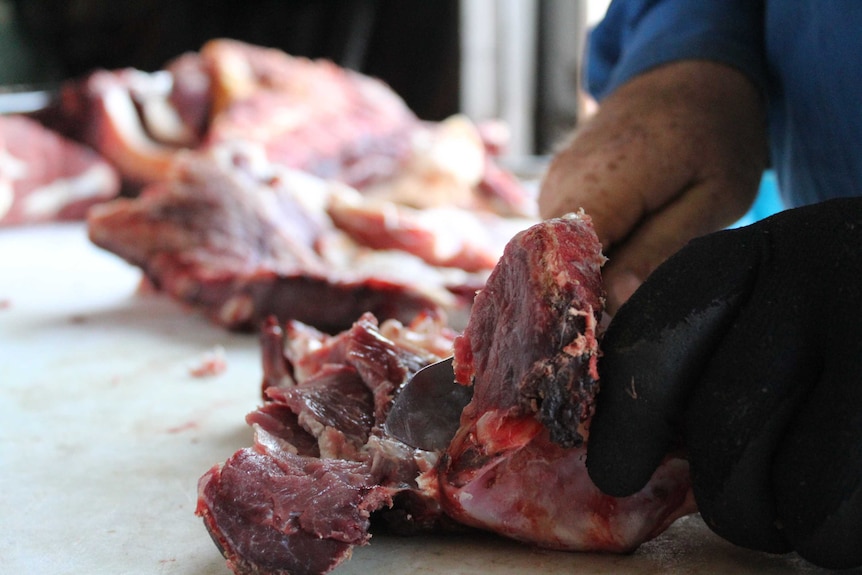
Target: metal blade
<point>427,412</point>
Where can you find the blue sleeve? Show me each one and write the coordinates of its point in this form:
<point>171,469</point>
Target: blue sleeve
<point>637,35</point>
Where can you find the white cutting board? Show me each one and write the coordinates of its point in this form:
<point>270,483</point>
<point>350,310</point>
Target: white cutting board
<point>104,433</point>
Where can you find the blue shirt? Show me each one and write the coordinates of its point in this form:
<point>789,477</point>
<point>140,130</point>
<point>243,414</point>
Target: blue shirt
<point>805,55</point>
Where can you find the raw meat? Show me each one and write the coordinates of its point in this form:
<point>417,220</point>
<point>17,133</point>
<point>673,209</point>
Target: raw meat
<point>45,177</point>
<point>307,115</point>
<point>303,495</point>
<point>422,232</point>
<point>250,506</point>
<point>127,117</point>
<point>515,467</point>
<point>470,240</point>
<point>241,239</point>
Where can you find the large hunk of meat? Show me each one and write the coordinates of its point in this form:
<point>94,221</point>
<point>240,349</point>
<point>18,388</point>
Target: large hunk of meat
<point>308,115</point>
<point>395,216</point>
<point>323,469</point>
<point>516,465</point>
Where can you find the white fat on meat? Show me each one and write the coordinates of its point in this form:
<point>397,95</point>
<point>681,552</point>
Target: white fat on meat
<point>160,118</point>
<point>11,169</point>
<point>44,176</point>
<point>120,134</point>
<point>445,236</point>
<point>445,163</point>
<point>42,202</point>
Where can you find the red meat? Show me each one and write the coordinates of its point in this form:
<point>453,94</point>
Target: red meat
<point>515,467</point>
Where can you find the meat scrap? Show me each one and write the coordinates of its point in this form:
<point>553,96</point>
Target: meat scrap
<point>210,363</point>
<point>515,467</point>
<point>320,469</point>
<point>46,177</point>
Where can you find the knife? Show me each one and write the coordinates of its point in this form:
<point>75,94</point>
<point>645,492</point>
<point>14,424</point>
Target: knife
<point>427,411</point>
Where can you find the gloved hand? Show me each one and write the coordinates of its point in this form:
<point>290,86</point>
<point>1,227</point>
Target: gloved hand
<point>744,350</point>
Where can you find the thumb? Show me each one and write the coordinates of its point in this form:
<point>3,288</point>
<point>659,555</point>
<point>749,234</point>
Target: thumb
<point>700,209</point>
<point>653,352</point>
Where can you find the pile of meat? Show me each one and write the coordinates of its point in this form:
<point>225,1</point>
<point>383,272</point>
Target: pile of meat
<point>309,115</point>
<point>306,191</point>
<point>323,473</point>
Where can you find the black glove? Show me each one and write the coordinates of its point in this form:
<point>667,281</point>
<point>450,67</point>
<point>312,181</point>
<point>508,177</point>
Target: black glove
<point>745,350</point>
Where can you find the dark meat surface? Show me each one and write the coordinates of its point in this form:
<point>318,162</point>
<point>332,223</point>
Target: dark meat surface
<point>46,177</point>
<point>516,465</point>
<point>531,345</point>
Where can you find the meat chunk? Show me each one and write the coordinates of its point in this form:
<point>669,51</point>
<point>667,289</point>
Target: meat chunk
<point>241,239</point>
<point>224,221</point>
<point>126,116</point>
<point>282,513</point>
<point>472,241</point>
<point>46,177</point>
<point>307,115</point>
<point>517,464</point>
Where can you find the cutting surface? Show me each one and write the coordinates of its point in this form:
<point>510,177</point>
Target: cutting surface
<point>104,431</point>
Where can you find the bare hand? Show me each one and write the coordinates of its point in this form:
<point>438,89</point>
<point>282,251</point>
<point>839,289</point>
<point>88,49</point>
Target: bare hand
<point>672,154</point>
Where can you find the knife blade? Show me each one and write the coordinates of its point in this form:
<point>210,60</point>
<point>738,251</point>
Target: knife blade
<point>427,411</point>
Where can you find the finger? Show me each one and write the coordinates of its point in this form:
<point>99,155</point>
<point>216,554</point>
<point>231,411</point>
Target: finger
<point>653,139</point>
<point>753,385</point>
<point>653,353</point>
<point>610,169</point>
<point>818,468</point>
<point>818,473</point>
<point>702,209</point>
<point>755,389</point>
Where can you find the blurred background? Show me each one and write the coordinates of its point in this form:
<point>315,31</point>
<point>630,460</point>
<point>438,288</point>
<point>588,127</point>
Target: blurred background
<point>516,60</point>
